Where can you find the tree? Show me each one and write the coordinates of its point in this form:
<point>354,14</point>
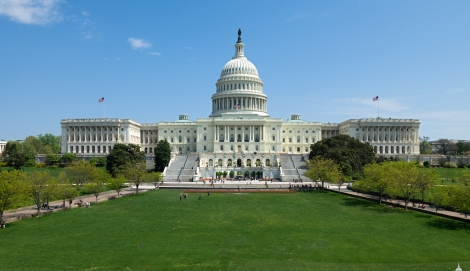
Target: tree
<point>13,190</point>
<point>460,195</point>
<point>121,155</point>
<point>31,147</point>
<point>156,177</point>
<point>445,146</point>
<point>348,153</point>
<point>13,155</point>
<point>80,173</point>
<point>50,143</point>
<point>162,155</point>
<point>424,145</point>
<point>425,181</point>
<point>135,173</point>
<point>376,179</point>
<point>41,185</point>
<point>98,184</point>
<point>322,169</point>
<point>52,159</point>
<point>463,147</point>
<point>440,196</point>
<point>405,180</point>
<point>117,184</point>
<point>68,159</point>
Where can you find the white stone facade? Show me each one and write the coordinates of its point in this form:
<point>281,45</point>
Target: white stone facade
<point>2,146</point>
<point>239,127</point>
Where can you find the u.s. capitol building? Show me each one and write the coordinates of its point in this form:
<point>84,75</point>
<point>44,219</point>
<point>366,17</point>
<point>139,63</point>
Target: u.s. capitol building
<point>239,130</point>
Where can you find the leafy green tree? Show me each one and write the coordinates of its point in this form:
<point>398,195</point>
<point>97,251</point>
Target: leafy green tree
<point>155,178</point>
<point>348,153</point>
<point>41,186</point>
<point>50,143</point>
<point>425,181</point>
<point>80,173</point>
<point>13,190</point>
<point>135,173</point>
<point>440,196</point>
<point>460,195</point>
<point>405,180</point>
<point>13,155</point>
<point>101,162</point>
<point>52,159</point>
<point>463,147</point>
<point>162,155</point>
<point>424,145</point>
<point>377,178</point>
<point>121,155</point>
<point>33,144</point>
<point>323,169</point>
<point>98,184</point>
<point>117,184</point>
<point>68,159</point>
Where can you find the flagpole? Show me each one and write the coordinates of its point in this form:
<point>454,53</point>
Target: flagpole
<point>104,111</point>
<point>378,108</point>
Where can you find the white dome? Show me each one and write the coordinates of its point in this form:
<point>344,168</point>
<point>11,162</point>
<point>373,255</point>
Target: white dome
<point>239,66</point>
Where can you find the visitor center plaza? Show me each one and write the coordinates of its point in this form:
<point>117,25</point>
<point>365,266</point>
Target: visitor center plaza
<point>239,131</point>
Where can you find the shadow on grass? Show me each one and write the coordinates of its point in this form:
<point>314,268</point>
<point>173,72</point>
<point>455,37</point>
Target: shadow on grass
<point>448,224</point>
<point>371,205</point>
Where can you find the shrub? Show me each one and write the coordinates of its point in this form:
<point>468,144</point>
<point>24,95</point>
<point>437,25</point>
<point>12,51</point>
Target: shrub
<point>54,166</point>
<point>30,163</point>
<point>426,164</point>
<point>231,174</point>
<point>450,165</point>
<point>40,165</point>
<point>3,164</point>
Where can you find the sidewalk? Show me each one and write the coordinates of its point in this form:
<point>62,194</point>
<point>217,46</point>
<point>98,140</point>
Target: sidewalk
<point>30,211</point>
<point>400,203</point>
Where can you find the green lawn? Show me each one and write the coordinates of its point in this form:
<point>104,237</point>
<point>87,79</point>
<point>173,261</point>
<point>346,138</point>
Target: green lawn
<point>302,231</point>
<point>447,174</point>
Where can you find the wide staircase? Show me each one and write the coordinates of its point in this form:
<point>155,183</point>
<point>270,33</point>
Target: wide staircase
<point>300,162</point>
<point>288,169</point>
<point>189,168</point>
<point>173,172</point>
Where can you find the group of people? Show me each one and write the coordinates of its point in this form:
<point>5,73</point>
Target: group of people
<point>2,225</point>
<point>301,186</point>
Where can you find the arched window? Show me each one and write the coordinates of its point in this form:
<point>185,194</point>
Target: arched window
<point>211,163</point>
<point>268,163</point>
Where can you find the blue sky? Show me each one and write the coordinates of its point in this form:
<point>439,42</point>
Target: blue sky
<point>154,60</point>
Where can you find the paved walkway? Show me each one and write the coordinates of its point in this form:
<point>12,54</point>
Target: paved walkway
<point>395,202</point>
<point>29,211</point>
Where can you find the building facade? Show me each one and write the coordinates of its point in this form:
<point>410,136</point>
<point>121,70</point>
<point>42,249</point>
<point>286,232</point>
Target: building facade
<point>238,126</point>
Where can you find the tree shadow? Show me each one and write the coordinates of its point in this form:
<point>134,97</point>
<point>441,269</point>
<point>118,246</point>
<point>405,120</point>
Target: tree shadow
<point>371,205</point>
<point>448,224</point>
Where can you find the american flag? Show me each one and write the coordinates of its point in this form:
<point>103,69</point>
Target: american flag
<point>100,100</point>
<point>236,106</point>
<point>376,98</point>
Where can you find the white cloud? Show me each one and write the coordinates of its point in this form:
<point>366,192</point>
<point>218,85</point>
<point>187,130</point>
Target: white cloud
<point>39,12</point>
<point>139,43</point>
<point>155,53</point>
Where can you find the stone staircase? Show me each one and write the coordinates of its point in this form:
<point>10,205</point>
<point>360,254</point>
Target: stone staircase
<point>300,162</point>
<point>174,171</point>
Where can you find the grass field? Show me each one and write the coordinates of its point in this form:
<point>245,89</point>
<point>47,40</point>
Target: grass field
<point>301,231</point>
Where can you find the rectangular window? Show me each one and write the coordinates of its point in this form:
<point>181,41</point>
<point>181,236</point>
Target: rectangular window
<point>274,138</point>
<point>290,149</point>
<point>231,147</point>
<point>205,138</point>
<point>171,140</point>
<point>290,139</point>
<point>195,140</point>
<point>283,140</point>
<point>256,147</point>
<point>306,140</point>
<point>298,149</point>
<point>274,148</point>
<point>221,147</point>
<point>205,148</point>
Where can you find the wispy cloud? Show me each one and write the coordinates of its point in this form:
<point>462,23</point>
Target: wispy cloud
<point>38,12</point>
<point>155,53</point>
<point>139,43</point>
